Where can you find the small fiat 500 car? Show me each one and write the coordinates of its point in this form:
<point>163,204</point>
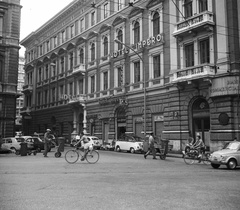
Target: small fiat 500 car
<point>229,156</point>
<point>130,143</point>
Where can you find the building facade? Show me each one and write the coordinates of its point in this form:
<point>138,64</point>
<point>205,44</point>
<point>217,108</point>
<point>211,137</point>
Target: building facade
<point>114,67</point>
<point>19,103</point>
<point>10,11</point>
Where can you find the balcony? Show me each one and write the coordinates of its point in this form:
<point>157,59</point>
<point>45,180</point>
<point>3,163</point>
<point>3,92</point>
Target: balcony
<point>27,89</point>
<point>79,69</point>
<point>198,22</point>
<point>193,73</point>
<point>26,110</point>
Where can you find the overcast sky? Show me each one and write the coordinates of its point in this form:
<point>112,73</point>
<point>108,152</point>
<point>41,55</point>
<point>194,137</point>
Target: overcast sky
<point>35,13</point>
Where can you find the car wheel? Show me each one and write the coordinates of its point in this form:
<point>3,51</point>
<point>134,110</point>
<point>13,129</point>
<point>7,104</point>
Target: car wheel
<point>215,165</point>
<point>232,164</point>
<point>132,150</point>
<point>38,149</point>
<point>118,149</point>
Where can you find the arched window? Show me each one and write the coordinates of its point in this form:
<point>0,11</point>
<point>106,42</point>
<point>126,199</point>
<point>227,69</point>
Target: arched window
<point>105,46</point>
<point>156,24</point>
<point>136,32</point>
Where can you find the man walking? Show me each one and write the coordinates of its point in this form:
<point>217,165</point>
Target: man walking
<point>152,148</point>
<point>47,139</point>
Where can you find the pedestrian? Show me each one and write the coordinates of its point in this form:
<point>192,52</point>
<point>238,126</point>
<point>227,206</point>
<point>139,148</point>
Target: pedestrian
<point>47,140</point>
<point>151,142</point>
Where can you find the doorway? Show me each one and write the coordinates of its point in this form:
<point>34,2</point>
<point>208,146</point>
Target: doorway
<point>201,120</point>
<point>120,119</point>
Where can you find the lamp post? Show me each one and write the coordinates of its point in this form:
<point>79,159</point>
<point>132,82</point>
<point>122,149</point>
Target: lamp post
<point>144,81</point>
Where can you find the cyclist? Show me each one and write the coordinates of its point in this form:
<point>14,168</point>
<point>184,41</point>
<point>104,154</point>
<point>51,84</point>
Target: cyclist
<point>199,145</point>
<point>86,144</point>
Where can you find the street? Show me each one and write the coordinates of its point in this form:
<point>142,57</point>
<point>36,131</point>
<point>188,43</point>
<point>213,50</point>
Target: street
<point>119,181</point>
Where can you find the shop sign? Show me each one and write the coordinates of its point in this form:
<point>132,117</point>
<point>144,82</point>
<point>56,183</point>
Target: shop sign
<point>110,100</point>
<point>72,97</point>
<point>150,41</point>
<point>224,86</point>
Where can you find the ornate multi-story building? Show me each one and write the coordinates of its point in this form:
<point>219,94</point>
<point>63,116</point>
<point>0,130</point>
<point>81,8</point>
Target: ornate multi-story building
<point>19,103</point>
<point>121,66</point>
<point>10,11</point>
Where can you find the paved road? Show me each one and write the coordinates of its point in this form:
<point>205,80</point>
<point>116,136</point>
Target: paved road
<point>119,181</point>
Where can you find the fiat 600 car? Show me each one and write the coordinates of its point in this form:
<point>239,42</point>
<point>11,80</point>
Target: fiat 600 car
<point>229,156</point>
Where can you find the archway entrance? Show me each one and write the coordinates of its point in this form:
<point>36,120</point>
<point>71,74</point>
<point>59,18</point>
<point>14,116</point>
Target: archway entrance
<point>120,121</point>
<point>201,120</point>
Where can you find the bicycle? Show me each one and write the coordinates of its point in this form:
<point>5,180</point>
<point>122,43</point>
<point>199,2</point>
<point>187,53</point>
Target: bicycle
<point>72,156</point>
<point>193,155</point>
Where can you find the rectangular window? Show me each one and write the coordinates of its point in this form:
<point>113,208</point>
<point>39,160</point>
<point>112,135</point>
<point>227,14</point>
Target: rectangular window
<point>62,64</point>
<point>189,55</point>
<point>55,41</point>
<point>204,51</point>
<point>46,71</point>
<point>203,5</point>
<point>188,8</point>
<point>80,86</point>
<point>82,25</point>
<point>156,66</point>
<point>40,74</point>
<point>92,84</point>
<point>72,31</point>
<point>120,76</point>
<point>70,89</point>
<point>53,95</point>
<point>61,91</point>
<point>46,96</point>
<point>39,99</point>
<point>105,80</point>
<point>48,46</point>
<point>71,60</point>
<point>63,36</point>
<point>119,4</point>
<point>137,72</point>
<point>105,10</point>
<point>93,18</point>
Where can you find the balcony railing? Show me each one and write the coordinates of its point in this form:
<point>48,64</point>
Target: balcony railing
<point>195,72</point>
<point>194,23</point>
<point>79,69</point>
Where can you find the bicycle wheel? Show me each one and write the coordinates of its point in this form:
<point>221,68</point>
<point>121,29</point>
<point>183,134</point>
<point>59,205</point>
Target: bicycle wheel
<point>71,156</point>
<point>189,158</point>
<point>206,159</point>
<point>92,156</point>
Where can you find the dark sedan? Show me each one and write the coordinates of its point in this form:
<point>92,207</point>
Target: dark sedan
<point>38,144</point>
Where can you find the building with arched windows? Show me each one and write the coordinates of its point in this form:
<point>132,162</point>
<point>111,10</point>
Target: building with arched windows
<point>135,67</point>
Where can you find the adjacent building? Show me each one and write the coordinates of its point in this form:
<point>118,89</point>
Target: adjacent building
<point>9,52</point>
<point>115,67</point>
<point>20,103</point>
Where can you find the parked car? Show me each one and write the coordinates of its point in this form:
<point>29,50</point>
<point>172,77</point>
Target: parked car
<point>107,146</point>
<point>11,143</point>
<point>229,156</point>
<point>131,143</point>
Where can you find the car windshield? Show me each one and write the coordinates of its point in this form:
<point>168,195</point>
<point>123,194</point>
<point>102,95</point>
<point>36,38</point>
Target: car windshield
<point>233,145</point>
<point>94,138</point>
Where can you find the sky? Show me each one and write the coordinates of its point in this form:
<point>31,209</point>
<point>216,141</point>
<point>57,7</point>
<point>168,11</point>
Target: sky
<point>35,13</point>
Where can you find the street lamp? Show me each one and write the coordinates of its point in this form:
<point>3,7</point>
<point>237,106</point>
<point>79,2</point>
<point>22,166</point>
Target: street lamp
<point>144,81</point>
